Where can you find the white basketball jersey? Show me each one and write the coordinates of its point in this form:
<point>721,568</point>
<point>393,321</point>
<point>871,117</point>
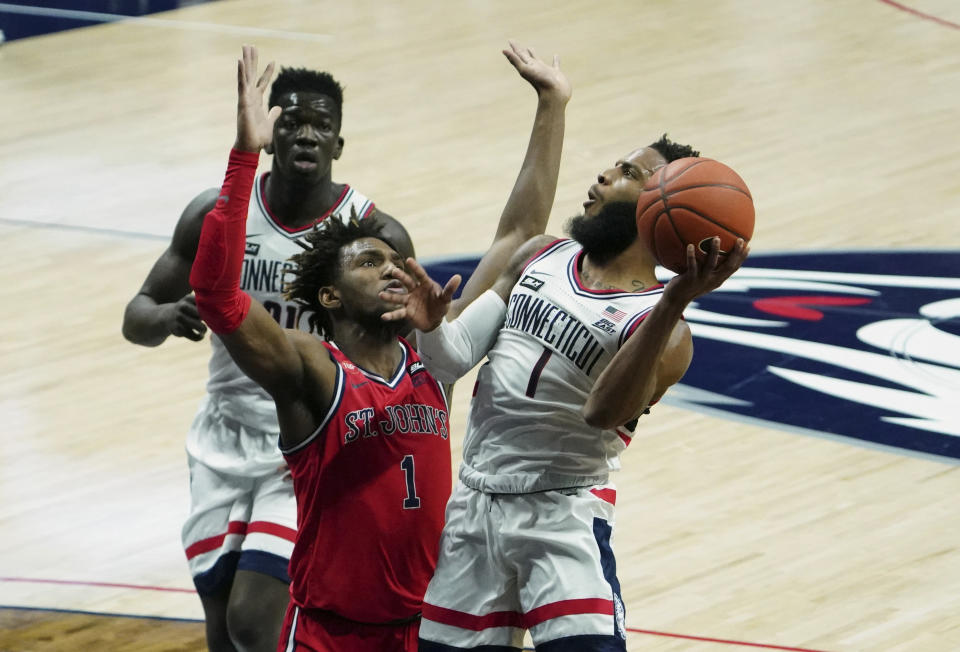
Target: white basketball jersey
<point>269,247</point>
<point>526,432</point>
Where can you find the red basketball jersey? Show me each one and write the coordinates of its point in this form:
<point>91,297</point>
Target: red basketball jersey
<point>371,484</point>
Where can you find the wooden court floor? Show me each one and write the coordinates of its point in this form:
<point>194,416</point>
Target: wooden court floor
<point>841,116</point>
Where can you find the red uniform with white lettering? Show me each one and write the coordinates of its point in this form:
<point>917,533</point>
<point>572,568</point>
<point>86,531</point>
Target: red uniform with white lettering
<point>371,486</point>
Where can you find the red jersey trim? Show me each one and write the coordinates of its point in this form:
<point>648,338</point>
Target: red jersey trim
<point>240,528</point>
<point>573,272</point>
<point>606,495</point>
<point>632,326</point>
<point>532,618</point>
<point>262,200</point>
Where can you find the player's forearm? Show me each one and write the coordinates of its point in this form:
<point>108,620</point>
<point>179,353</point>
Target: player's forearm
<point>454,348</point>
<point>215,274</point>
<point>528,207</point>
<point>629,382</point>
<point>144,322</point>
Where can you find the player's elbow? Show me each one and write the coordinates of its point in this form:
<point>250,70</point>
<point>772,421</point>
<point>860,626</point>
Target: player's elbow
<point>598,416</point>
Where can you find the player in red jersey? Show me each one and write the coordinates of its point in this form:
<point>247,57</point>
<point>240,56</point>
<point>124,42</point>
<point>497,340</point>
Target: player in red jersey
<point>362,425</point>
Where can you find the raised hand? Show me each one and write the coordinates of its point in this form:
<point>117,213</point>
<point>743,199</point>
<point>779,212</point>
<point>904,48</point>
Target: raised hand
<point>425,303</point>
<point>698,279</point>
<point>254,123</point>
<point>546,79</point>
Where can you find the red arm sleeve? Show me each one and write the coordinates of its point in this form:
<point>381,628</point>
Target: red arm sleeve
<point>215,275</point>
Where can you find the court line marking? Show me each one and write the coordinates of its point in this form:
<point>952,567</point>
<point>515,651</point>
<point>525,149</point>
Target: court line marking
<point>146,21</point>
<point>920,14</point>
<point>99,613</point>
<point>28,580</point>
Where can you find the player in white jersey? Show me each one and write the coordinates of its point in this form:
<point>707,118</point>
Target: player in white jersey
<point>242,523</point>
<point>581,340</point>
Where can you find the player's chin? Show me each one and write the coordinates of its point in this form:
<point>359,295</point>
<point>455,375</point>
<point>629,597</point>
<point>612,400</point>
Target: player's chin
<point>398,325</point>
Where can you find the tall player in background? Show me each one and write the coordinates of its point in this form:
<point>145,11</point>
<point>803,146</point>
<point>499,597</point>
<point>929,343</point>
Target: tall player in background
<point>242,523</point>
<point>363,426</point>
<point>581,340</point>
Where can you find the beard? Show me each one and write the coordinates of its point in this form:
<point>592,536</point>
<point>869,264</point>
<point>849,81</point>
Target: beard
<point>609,233</point>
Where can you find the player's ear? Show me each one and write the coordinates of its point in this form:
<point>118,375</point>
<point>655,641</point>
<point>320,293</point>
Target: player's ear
<point>329,297</point>
<point>338,149</point>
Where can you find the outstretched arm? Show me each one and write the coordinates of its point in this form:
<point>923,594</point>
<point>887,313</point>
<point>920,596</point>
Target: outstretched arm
<point>259,346</point>
<point>659,352</point>
<point>528,207</point>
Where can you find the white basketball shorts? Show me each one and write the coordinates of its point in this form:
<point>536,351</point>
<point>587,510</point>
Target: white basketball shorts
<point>243,514</point>
<point>513,562</point>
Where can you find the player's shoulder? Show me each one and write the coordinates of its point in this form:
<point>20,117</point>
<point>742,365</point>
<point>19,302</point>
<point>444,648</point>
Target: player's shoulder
<point>200,205</point>
<point>534,248</point>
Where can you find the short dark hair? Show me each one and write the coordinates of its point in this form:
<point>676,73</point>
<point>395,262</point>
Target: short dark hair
<point>671,150</point>
<point>291,80</point>
<point>319,265</point>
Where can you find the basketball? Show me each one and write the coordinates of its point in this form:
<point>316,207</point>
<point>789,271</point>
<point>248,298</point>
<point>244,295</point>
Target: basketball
<point>689,201</point>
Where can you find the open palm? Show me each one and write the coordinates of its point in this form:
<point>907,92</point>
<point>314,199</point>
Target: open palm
<point>254,123</point>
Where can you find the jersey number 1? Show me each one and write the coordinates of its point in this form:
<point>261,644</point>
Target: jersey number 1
<point>411,501</point>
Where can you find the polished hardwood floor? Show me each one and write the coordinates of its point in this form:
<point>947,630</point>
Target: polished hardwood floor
<point>841,116</point>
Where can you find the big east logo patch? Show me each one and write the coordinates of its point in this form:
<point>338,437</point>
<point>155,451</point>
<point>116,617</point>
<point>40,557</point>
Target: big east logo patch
<point>864,345</point>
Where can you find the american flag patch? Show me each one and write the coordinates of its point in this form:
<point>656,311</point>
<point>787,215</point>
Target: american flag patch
<point>613,313</point>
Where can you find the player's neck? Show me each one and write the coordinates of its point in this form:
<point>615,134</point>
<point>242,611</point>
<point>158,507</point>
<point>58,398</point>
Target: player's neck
<point>633,270</point>
<point>295,203</point>
<point>376,351</point>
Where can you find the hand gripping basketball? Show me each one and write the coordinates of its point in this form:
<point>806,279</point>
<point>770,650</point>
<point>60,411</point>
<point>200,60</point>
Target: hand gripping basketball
<point>690,201</point>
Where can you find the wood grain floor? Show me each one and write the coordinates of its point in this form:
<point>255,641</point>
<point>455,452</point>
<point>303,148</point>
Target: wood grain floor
<point>840,116</point>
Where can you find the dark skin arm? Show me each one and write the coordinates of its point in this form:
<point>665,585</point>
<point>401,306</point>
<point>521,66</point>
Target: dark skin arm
<point>164,305</point>
<point>528,206</point>
<point>395,234</point>
<point>292,366</point>
<point>657,355</point>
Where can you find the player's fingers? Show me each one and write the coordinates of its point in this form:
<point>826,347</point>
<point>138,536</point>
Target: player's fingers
<point>194,335</point>
<point>265,77</point>
<point>246,62</point>
<point>451,287</point>
<point>272,116</point>
<point>691,260</point>
<point>713,255</point>
<point>418,271</point>
<point>399,298</point>
<point>556,61</point>
<point>189,311</point>
<point>408,281</point>
<point>394,315</point>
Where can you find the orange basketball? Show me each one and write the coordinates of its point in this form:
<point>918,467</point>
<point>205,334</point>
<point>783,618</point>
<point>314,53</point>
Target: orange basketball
<point>689,201</point>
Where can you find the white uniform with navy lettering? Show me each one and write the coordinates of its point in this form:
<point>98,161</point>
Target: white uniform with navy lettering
<point>243,512</point>
<point>527,539</point>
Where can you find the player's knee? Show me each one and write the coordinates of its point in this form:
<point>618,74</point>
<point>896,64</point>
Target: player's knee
<point>250,628</point>
<point>253,625</point>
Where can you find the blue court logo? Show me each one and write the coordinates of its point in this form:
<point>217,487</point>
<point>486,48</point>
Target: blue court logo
<point>864,345</point>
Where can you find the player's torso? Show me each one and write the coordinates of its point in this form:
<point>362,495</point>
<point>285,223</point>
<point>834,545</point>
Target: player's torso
<point>269,246</point>
<point>526,431</point>
<point>371,485</point>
